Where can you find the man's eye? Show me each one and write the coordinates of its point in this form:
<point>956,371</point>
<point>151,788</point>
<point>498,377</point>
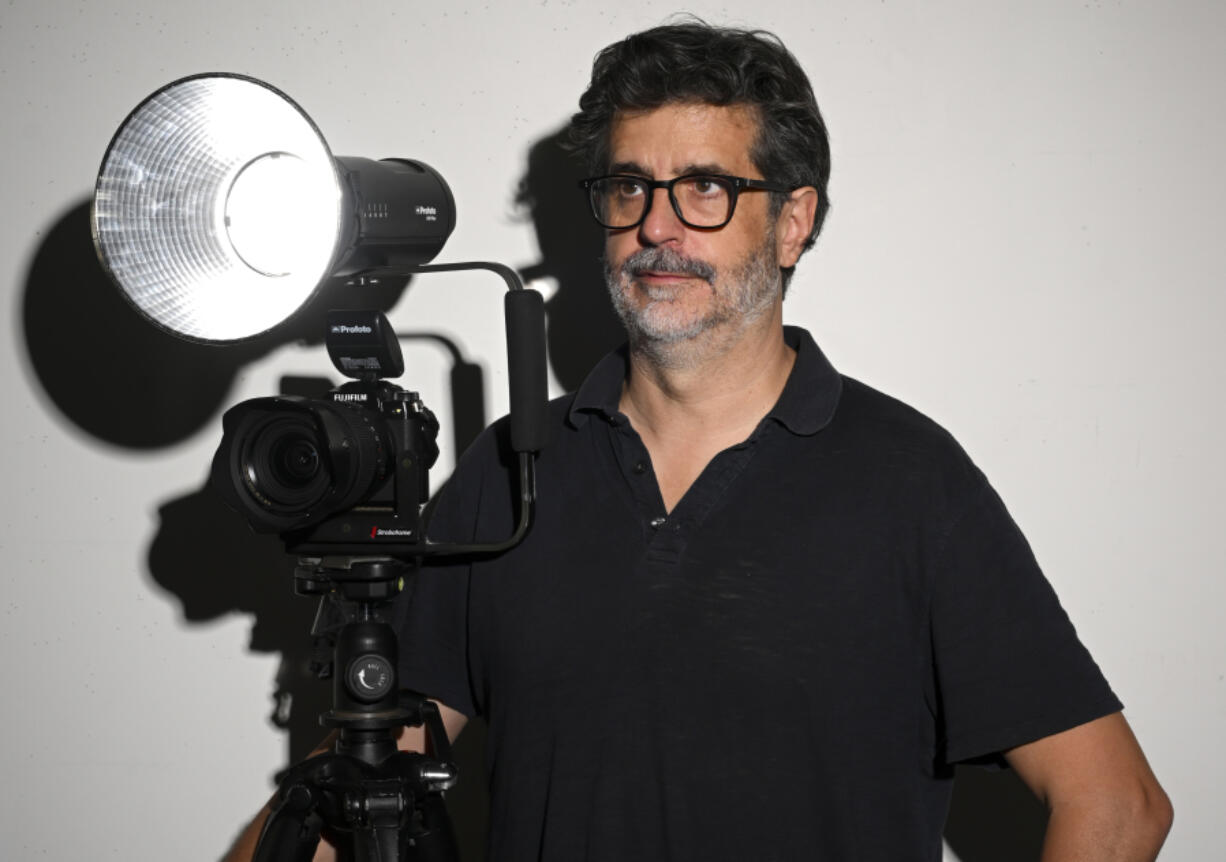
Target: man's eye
<point>706,186</point>
<point>627,188</point>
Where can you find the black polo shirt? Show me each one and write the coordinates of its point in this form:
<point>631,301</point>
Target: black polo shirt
<point>785,667</point>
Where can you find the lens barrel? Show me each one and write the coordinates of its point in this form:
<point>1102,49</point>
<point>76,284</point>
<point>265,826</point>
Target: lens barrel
<point>281,465</point>
<point>286,463</point>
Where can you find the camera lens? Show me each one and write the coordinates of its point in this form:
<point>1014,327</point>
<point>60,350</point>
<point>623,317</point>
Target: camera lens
<point>282,467</point>
<point>295,461</point>
<point>287,463</point>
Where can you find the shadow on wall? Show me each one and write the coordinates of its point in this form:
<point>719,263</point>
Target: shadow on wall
<point>86,345</point>
<point>582,325</point>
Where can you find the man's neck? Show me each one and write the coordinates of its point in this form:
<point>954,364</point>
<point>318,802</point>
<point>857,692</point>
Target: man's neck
<point>688,411</point>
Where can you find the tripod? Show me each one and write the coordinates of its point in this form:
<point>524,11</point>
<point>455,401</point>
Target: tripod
<point>390,802</point>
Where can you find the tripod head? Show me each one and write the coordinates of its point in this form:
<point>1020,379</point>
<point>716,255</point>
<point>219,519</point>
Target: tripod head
<point>389,801</point>
<point>365,694</point>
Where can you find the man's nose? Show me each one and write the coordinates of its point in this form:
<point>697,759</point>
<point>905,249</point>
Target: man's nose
<point>661,224</point>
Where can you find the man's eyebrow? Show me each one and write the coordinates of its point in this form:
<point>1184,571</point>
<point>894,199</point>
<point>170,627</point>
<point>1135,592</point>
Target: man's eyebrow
<point>689,170</point>
<point>704,168</point>
<point>628,168</point>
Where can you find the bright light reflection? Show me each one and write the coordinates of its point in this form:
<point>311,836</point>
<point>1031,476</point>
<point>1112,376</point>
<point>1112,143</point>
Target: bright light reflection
<point>280,215</point>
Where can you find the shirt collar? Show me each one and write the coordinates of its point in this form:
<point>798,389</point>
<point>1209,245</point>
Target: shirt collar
<point>809,398</point>
<point>601,390</point>
<point>805,406</point>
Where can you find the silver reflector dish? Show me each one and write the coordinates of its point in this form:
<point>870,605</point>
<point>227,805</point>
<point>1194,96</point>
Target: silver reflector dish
<point>217,209</point>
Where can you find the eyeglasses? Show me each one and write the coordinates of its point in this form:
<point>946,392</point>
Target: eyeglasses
<point>708,201</point>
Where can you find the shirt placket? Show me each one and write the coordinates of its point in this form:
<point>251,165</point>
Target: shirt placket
<point>666,533</point>
<point>662,532</point>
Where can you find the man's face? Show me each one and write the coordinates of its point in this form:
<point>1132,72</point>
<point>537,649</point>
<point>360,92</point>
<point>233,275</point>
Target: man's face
<point>670,282</point>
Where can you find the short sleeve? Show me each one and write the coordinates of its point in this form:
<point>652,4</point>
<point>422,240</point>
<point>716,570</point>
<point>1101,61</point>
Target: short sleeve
<point>1010,668</point>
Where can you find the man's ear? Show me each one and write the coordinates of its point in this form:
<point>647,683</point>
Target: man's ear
<point>794,225</point>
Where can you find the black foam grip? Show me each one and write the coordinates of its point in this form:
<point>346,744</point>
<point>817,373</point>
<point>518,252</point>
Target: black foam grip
<point>529,384</point>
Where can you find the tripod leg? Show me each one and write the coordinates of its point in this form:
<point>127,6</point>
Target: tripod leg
<point>435,842</point>
<point>291,833</point>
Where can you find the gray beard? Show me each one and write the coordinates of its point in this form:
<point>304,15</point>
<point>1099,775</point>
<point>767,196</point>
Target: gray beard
<point>741,295</point>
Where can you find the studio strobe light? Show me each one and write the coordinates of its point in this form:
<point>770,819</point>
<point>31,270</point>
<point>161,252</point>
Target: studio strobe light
<point>219,209</point>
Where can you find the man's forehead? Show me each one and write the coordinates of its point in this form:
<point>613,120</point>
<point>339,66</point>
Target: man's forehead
<point>679,135</point>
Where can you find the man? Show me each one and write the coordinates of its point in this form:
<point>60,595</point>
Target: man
<point>763,609</point>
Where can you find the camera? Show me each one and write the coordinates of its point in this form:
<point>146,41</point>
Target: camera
<point>344,475</point>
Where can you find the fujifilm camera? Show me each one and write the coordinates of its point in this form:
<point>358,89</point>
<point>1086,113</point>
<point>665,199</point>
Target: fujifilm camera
<point>342,475</point>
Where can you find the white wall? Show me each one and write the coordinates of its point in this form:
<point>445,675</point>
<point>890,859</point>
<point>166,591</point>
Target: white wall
<point>1026,243</point>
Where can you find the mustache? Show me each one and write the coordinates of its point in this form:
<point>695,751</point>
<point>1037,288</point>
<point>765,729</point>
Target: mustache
<point>661,259</point>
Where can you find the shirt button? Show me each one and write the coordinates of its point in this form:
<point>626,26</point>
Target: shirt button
<point>657,523</point>
<point>640,468</point>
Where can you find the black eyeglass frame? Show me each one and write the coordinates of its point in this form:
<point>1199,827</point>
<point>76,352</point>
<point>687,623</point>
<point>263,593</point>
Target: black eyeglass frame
<point>736,184</point>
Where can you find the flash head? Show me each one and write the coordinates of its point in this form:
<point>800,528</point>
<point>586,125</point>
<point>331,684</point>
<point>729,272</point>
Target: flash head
<point>219,209</point>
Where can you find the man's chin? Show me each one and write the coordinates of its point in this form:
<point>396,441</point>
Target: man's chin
<point>662,327</point>
<point>661,317</point>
